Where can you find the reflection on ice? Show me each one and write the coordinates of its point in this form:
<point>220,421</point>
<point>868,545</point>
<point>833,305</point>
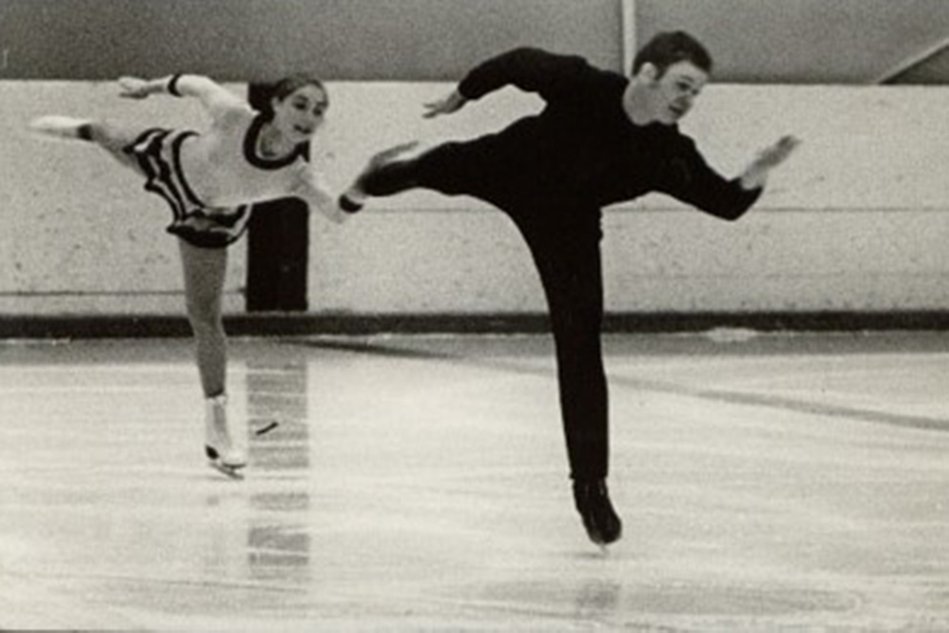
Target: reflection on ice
<point>764,484</point>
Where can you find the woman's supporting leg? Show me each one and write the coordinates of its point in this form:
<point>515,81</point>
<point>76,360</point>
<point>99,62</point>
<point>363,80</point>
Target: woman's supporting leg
<point>204,274</point>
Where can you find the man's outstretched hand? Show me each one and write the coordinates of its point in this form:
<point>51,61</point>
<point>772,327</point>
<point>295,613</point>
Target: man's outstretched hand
<point>450,104</point>
<point>776,154</point>
<point>767,159</point>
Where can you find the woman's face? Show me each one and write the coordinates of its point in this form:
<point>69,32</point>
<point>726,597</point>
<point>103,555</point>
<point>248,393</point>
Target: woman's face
<point>300,113</point>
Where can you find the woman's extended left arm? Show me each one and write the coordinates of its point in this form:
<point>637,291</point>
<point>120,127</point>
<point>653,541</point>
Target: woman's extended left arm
<point>212,94</point>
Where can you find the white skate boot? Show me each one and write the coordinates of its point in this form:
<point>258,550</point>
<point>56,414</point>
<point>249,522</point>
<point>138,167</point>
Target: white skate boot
<point>61,127</point>
<point>221,449</point>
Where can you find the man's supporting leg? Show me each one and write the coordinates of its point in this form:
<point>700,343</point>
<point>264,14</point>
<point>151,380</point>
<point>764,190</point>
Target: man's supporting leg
<point>566,251</point>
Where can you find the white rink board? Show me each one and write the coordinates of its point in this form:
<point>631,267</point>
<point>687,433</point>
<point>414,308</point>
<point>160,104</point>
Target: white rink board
<point>857,220</point>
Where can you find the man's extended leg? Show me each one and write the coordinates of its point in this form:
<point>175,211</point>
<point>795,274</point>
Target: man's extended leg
<point>451,168</point>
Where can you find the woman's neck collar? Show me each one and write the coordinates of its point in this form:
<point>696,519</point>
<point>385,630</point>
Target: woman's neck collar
<point>255,144</point>
<point>272,144</point>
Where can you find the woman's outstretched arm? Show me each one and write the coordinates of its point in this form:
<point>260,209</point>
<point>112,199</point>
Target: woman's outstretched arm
<point>211,94</point>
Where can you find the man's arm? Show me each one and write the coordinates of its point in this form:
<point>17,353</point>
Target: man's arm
<point>689,179</point>
<point>550,75</point>
<point>211,94</point>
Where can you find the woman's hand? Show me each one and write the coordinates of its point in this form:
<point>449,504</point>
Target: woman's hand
<point>134,88</point>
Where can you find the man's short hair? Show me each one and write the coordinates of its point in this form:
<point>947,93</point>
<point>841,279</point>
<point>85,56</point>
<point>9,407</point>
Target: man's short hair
<point>666,49</point>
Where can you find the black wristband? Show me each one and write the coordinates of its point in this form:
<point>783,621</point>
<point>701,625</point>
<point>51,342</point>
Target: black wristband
<point>349,205</point>
<point>173,85</point>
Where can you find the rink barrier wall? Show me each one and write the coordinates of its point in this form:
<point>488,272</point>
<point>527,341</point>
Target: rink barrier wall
<point>854,225</point>
<point>726,327</point>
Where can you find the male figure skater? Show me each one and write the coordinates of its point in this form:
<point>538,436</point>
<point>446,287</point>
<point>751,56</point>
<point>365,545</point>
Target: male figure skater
<point>602,138</point>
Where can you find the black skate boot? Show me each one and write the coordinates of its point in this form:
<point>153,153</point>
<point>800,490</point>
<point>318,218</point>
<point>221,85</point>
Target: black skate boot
<point>593,503</point>
<point>377,178</point>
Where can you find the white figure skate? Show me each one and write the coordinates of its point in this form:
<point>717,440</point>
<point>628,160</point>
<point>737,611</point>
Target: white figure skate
<point>220,447</point>
<point>60,127</point>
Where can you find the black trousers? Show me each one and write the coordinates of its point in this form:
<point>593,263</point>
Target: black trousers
<point>564,241</point>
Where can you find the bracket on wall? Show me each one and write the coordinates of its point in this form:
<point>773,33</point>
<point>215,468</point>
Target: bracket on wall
<point>924,56</point>
<point>628,33</point>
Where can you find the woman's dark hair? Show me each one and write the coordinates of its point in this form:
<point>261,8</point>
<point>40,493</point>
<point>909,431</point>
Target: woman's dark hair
<point>666,49</point>
<point>261,93</point>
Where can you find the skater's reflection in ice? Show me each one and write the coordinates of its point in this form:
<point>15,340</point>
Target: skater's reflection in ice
<point>597,598</point>
<point>265,515</point>
<point>277,392</point>
<point>279,549</point>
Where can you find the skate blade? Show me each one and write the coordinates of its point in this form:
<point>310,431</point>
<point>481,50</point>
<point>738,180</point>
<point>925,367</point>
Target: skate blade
<point>233,472</point>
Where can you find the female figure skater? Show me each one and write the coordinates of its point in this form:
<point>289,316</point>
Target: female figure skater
<point>209,180</point>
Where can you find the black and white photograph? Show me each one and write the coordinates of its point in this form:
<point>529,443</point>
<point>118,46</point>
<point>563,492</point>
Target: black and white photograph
<point>474,316</point>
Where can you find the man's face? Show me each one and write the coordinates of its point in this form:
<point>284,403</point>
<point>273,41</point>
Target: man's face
<point>671,96</point>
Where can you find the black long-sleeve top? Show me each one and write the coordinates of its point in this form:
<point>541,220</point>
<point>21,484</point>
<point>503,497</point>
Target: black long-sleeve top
<point>583,148</point>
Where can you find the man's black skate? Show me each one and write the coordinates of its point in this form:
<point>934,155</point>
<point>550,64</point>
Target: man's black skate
<point>375,178</point>
<point>593,503</point>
